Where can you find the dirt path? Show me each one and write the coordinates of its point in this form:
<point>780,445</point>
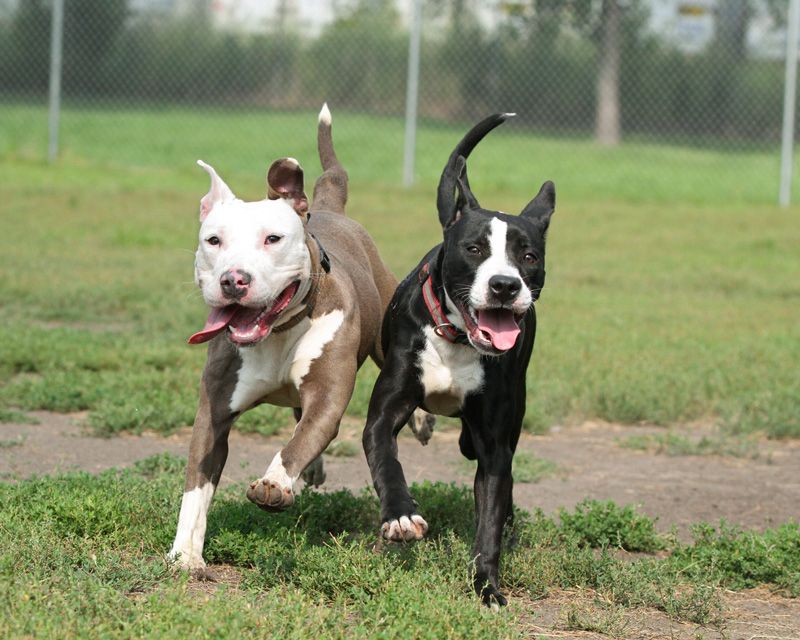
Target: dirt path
<point>755,492</point>
<point>678,490</point>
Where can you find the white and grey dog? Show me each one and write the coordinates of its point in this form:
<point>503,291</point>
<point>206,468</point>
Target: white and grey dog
<point>296,300</point>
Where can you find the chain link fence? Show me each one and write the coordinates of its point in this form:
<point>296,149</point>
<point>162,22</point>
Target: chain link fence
<point>702,73</point>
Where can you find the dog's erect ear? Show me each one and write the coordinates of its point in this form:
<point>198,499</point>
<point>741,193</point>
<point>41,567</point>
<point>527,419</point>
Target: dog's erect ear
<point>218,193</point>
<point>542,206</point>
<point>285,180</point>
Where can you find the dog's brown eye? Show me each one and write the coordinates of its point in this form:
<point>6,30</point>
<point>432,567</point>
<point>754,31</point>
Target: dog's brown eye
<point>529,258</point>
<point>213,241</point>
<point>272,239</point>
<point>473,249</point>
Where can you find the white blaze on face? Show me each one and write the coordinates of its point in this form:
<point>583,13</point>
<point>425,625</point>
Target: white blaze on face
<point>497,264</point>
<point>242,228</point>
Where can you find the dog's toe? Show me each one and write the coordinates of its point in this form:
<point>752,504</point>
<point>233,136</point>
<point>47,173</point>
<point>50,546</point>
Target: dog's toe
<point>269,495</point>
<point>405,528</point>
<point>492,598</point>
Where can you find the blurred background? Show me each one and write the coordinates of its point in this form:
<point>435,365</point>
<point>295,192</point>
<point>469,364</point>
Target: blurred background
<point>701,74</point>
<point>672,288</point>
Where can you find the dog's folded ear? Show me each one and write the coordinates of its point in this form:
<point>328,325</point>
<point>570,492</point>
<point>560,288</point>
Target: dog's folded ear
<point>466,199</point>
<point>285,180</point>
<point>542,206</point>
<point>454,176</point>
<point>218,193</point>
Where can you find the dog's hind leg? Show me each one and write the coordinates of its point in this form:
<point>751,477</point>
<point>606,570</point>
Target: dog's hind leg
<point>422,424</point>
<point>208,452</point>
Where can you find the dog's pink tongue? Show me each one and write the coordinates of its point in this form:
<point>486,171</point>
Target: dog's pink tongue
<point>500,326</point>
<point>218,319</point>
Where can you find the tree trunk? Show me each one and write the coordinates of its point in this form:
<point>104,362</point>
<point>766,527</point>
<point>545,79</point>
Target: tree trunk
<point>733,17</point>
<point>607,128</point>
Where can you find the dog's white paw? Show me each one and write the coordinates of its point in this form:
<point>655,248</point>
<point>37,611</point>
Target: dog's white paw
<point>405,528</point>
<point>186,560</point>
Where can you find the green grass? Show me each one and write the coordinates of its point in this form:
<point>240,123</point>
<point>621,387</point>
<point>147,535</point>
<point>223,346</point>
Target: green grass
<point>530,468</point>
<point>676,444</point>
<point>81,556</point>
<point>527,468</point>
<point>672,282</point>
<point>602,524</point>
<point>18,417</point>
<point>343,449</point>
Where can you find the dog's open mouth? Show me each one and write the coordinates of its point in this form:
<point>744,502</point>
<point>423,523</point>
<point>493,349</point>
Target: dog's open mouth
<point>245,325</point>
<point>494,329</point>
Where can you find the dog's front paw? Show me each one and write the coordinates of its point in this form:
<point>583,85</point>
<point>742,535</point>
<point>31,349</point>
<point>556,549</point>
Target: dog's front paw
<point>405,528</point>
<point>269,495</point>
<point>185,560</point>
<point>490,595</point>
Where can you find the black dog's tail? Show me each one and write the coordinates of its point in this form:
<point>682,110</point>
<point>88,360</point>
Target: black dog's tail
<point>330,189</point>
<point>446,198</point>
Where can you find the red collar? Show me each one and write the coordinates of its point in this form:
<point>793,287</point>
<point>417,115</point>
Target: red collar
<point>442,327</point>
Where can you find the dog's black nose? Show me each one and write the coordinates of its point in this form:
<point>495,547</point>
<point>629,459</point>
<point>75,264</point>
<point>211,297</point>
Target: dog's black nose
<point>505,288</point>
<point>234,283</point>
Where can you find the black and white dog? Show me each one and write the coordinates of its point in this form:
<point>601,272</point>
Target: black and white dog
<point>458,336</point>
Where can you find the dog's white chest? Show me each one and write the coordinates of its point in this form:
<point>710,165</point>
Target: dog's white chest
<point>449,373</point>
<point>273,370</point>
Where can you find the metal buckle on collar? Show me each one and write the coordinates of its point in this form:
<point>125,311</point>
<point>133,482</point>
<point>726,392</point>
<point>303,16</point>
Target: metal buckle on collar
<point>439,329</point>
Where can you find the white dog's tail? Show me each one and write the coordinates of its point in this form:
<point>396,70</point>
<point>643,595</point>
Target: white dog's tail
<point>330,189</point>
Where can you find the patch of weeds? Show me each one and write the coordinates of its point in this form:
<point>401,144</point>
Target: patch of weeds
<point>16,417</point>
<point>774,411</point>
<point>160,463</point>
<point>12,442</point>
<point>529,468</point>
<point>675,444</point>
<point>600,617</point>
<point>343,449</point>
<point>602,524</point>
<point>446,508</point>
<point>741,559</point>
<point>654,583</point>
<point>265,419</point>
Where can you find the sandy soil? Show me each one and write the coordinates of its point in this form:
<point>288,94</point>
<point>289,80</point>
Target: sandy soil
<point>755,492</point>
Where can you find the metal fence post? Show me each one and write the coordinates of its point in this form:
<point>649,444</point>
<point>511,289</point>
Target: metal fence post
<point>56,40</point>
<point>412,93</point>
<point>789,103</point>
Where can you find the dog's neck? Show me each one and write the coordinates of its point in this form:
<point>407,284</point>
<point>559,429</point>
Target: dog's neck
<point>320,267</point>
<point>442,310</point>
